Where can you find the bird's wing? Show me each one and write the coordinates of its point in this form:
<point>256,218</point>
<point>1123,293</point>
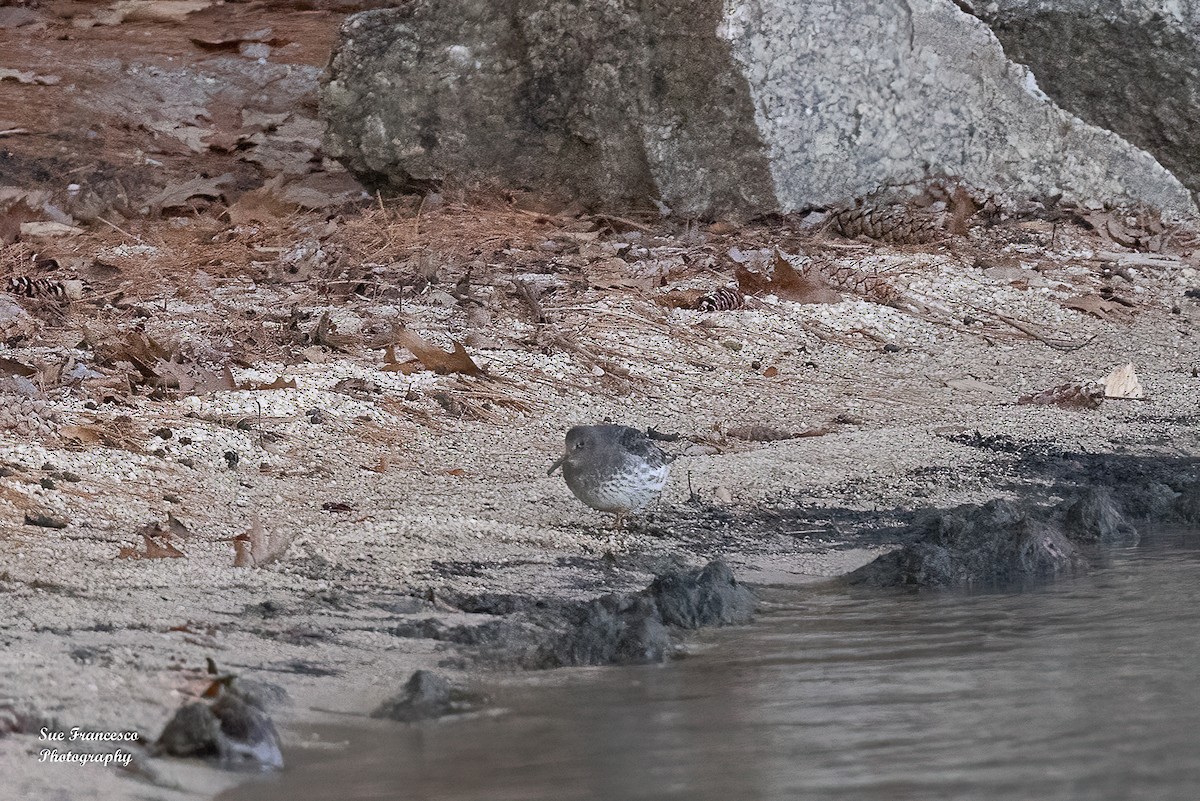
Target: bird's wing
<point>639,444</point>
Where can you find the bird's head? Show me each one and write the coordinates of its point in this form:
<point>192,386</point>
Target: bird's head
<point>580,440</point>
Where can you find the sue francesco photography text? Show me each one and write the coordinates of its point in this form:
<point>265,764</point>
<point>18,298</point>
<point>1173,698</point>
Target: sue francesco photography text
<point>57,746</point>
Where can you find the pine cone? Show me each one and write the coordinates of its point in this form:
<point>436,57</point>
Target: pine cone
<point>45,289</point>
<point>1078,395</point>
<point>871,283</point>
<point>723,299</point>
<point>894,223</point>
<point>27,417</point>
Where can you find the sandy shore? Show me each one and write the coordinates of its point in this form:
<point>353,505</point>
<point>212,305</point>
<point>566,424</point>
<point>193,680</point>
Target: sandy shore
<point>410,488</point>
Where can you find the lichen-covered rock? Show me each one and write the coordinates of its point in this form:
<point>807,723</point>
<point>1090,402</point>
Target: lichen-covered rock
<point>1132,67</point>
<point>714,107</point>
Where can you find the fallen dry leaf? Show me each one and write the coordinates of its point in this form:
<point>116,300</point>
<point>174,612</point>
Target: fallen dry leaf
<point>28,77</point>
<point>431,356</point>
<point>149,11</point>
<point>282,382</point>
<point>786,282</point>
<point>1093,305</point>
<point>1077,395</point>
<point>231,41</point>
<point>13,367</point>
<point>156,545</point>
<point>179,194</point>
<point>256,546</point>
<point>760,433</point>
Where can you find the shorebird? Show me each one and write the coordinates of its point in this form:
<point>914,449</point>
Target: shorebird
<point>614,469</point>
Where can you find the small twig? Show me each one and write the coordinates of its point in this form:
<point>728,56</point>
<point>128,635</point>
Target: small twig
<point>1057,344</point>
<point>122,230</point>
<point>612,218</point>
<point>525,292</point>
<point>417,218</point>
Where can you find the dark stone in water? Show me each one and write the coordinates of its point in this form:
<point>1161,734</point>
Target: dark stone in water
<point>997,543</point>
<point>1004,542</point>
<point>1187,504</point>
<point>231,731</point>
<point>712,597</point>
<point>1149,500</point>
<point>426,695</point>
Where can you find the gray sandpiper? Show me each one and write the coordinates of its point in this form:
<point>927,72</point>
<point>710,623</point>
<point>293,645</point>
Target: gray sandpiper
<point>614,469</point>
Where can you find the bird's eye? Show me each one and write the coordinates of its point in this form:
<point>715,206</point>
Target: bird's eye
<point>578,446</point>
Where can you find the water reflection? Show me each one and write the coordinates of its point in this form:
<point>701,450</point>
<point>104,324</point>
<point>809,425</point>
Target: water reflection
<point>1084,689</point>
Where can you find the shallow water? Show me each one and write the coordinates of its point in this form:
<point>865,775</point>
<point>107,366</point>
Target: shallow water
<point>1084,689</point>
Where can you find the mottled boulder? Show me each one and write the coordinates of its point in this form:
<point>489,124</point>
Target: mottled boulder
<point>1132,67</point>
<point>996,544</point>
<point>1096,517</point>
<point>710,597</point>
<point>711,107</point>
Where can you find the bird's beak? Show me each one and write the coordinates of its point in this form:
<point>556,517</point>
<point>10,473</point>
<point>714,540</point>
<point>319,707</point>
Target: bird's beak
<point>557,464</point>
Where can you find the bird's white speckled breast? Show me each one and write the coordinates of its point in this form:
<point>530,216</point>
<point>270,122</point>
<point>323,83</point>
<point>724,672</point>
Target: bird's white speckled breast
<point>627,491</point>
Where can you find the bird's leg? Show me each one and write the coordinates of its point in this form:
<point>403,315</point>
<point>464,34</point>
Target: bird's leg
<point>620,522</point>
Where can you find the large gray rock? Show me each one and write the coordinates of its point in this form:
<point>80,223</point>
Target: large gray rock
<point>1132,66</point>
<point>711,106</point>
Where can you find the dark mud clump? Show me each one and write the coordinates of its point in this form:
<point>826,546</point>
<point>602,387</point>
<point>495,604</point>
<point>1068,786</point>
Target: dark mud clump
<point>1004,542</point>
<point>712,597</point>
<point>427,695</point>
<point>614,629</point>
